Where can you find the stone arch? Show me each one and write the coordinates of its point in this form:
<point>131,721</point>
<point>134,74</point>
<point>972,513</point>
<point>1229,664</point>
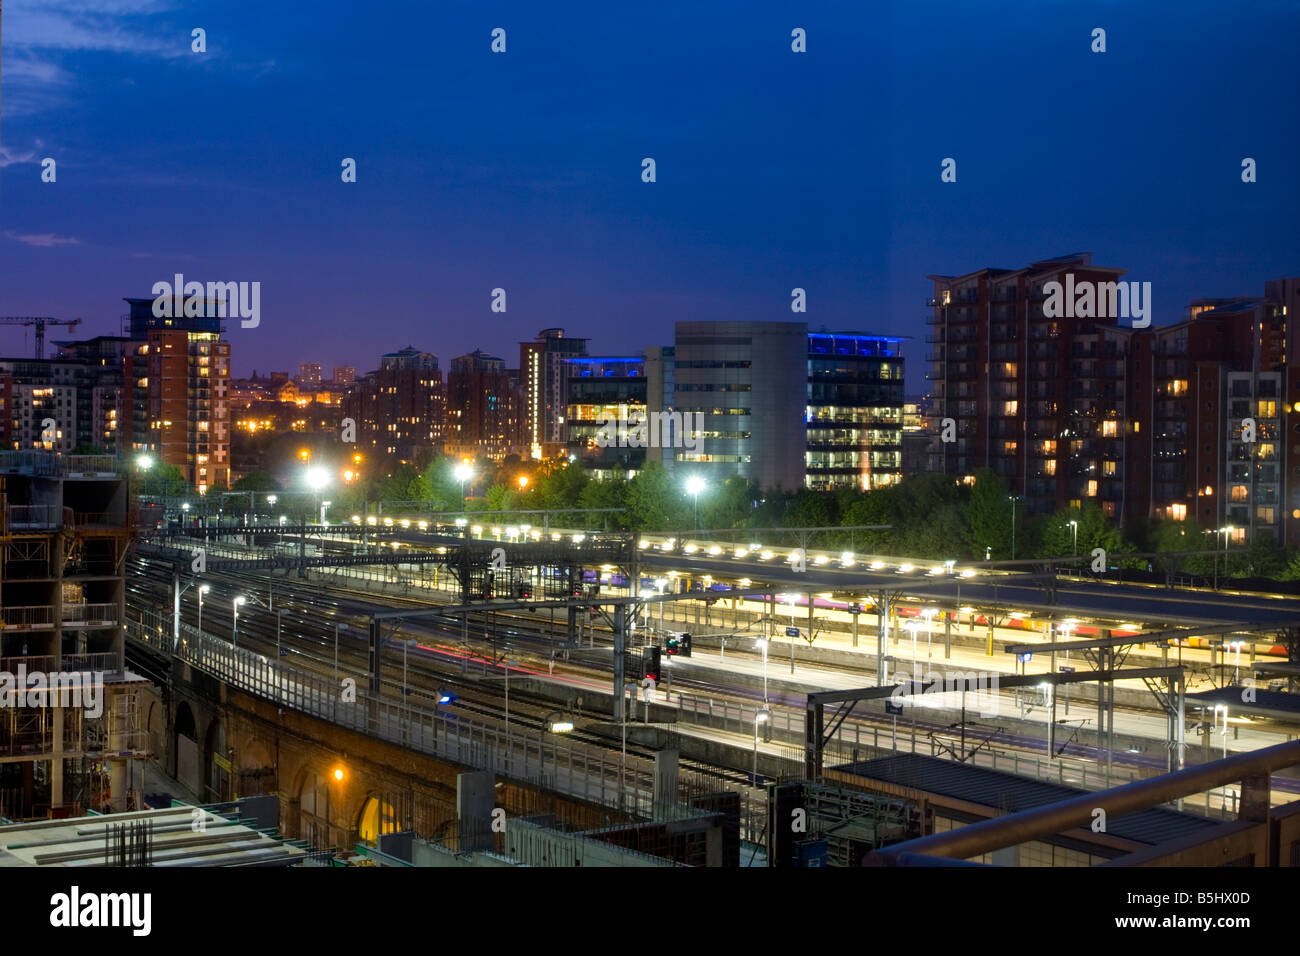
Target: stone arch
<point>185,746</point>
<point>255,768</point>
<point>315,807</point>
<point>216,765</point>
<point>377,815</point>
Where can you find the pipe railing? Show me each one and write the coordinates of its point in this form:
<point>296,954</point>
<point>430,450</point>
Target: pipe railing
<point>1078,812</point>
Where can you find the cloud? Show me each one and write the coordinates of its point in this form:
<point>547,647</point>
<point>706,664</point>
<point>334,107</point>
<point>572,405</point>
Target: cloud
<point>10,158</point>
<point>43,240</point>
<point>39,36</point>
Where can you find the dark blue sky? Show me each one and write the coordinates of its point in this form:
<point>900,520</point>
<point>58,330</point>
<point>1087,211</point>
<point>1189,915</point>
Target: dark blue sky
<point>775,169</point>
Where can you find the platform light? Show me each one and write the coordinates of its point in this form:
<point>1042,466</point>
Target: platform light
<point>406,522</point>
<point>820,559</point>
<point>906,568</point>
<point>968,573</point>
<point>423,525</point>
<point>371,520</point>
<point>691,548</point>
<point>765,555</point>
<point>715,550</point>
<point>742,552</point>
<point>877,565</point>
<point>561,726</point>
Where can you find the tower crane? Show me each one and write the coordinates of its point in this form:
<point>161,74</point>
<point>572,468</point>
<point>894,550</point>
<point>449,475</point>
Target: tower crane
<point>40,321</point>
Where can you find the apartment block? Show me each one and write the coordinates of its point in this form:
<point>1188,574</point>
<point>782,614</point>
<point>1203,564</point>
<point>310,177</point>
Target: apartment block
<point>543,375</point>
<point>400,408</point>
<point>1197,419</point>
<point>484,406</point>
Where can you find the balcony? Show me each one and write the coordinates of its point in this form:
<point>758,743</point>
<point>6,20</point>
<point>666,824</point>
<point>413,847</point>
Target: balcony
<point>89,615</point>
<point>20,518</point>
<point>28,618</point>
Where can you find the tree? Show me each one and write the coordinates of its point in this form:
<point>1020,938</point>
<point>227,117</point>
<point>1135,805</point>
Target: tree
<point>653,500</point>
<point>257,481</point>
<point>165,481</point>
<point>988,515</point>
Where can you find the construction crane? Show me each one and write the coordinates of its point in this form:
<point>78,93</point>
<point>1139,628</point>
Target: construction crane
<point>40,321</point>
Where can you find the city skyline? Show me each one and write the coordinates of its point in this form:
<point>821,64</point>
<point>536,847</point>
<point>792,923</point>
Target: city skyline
<point>478,171</point>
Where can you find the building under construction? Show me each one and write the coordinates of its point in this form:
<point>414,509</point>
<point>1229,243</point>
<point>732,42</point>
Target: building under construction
<point>69,733</point>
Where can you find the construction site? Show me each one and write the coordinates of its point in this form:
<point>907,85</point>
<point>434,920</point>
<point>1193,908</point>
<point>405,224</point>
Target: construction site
<point>70,739</point>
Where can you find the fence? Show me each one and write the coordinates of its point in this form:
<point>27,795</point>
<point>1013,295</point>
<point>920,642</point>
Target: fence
<point>545,761</point>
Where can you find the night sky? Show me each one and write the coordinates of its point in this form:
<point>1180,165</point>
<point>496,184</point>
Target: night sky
<point>523,170</point>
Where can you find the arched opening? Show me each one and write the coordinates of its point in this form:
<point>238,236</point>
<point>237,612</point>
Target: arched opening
<point>314,810</point>
<point>378,816</point>
<point>257,773</point>
<point>188,770</point>
<point>216,764</point>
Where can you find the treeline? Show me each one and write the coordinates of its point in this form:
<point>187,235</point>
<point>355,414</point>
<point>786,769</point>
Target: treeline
<point>927,516</point>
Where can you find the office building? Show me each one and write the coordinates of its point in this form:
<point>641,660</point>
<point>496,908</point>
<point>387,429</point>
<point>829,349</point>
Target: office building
<point>607,401</point>
<point>855,411</point>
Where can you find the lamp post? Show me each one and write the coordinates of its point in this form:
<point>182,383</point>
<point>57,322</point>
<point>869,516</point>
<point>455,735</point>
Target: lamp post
<point>234,626</point>
<point>1013,499</point>
<point>464,473</point>
<point>759,718</point>
<point>1074,527</point>
<point>203,589</point>
<point>694,485</point>
<point>762,642</point>
<point>317,479</point>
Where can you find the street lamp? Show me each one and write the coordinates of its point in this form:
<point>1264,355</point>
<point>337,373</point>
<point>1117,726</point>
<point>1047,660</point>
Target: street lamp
<point>759,718</point>
<point>929,614</point>
<point>203,589</point>
<point>694,485</point>
<point>762,642</point>
<point>1013,499</point>
<point>317,479</point>
<point>1074,527</point>
<point>144,462</point>
<point>234,627</point>
<point>463,472</point>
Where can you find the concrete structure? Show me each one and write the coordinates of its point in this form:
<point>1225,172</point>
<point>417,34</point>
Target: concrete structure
<point>66,525</point>
<point>749,381</point>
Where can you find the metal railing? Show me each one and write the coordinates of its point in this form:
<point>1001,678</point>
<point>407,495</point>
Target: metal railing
<point>35,615</point>
<point>89,614</point>
<point>53,463</point>
<point>34,517</point>
<point>548,762</point>
<point>84,664</point>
